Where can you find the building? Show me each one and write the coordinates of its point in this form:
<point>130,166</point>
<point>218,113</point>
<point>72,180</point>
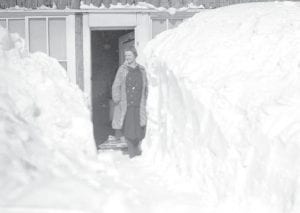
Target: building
<point>88,40</point>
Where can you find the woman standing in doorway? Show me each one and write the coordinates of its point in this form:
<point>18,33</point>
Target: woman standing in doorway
<point>129,93</point>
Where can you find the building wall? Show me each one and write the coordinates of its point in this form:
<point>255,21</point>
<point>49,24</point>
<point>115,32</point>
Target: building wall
<point>66,36</point>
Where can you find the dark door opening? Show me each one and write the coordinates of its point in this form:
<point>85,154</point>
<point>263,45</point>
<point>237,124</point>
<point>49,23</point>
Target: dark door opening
<point>107,55</point>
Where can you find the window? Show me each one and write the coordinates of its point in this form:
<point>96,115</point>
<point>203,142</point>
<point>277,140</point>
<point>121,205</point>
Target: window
<point>14,25</point>
<point>3,23</point>
<point>44,34</point>
<point>17,26</point>
<point>158,26</point>
<point>57,38</point>
<point>48,35</point>
<point>161,24</point>
<point>37,35</point>
<point>174,23</point>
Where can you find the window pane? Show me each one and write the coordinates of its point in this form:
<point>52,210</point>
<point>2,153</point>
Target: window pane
<point>3,23</point>
<point>158,26</point>
<point>57,38</point>
<point>63,64</point>
<point>17,26</point>
<point>37,35</point>
<point>174,23</point>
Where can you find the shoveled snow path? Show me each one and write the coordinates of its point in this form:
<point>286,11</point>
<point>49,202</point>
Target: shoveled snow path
<point>149,191</point>
<point>116,184</point>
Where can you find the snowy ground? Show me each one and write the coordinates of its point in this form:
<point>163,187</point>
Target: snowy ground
<point>223,132</point>
<point>126,186</point>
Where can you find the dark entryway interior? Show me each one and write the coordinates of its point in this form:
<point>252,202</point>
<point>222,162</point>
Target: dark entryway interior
<point>105,62</point>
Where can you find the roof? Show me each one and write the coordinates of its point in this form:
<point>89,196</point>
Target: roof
<point>85,4</point>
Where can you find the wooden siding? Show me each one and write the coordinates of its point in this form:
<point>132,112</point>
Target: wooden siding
<point>75,4</point>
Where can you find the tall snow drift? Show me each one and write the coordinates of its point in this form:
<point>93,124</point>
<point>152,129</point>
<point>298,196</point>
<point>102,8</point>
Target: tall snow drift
<point>224,105</point>
<point>45,126</point>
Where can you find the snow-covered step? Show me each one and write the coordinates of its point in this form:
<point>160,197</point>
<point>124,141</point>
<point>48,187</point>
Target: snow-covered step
<point>113,143</point>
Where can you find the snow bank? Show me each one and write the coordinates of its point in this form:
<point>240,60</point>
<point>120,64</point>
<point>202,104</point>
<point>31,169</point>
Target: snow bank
<point>45,127</point>
<point>224,106</point>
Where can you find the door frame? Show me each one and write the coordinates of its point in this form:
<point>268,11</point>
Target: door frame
<point>138,22</point>
<point>88,68</point>
<point>116,33</point>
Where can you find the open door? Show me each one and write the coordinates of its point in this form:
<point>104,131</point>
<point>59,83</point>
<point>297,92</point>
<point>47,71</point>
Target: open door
<point>107,48</point>
<point>125,41</point>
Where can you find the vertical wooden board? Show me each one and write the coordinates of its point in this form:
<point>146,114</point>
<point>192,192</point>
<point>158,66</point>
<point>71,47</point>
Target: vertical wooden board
<point>75,4</point>
<point>176,3</point>
<point>34,4</point>
<point>61,4</point>
<point>27,3</point>
<point>156,3</point>
<point>217,3</point>
<point>48,3</point>
<point>69,3</point>
<point>107,3</point>
<point>20,3</point>
<point>87,2</point>
<point>198,3</point>
<point>3,4</point>
<point>210,4</point>
<point>40,3</point>
<point>55,2</point>
<point>164,3</point>
<point>186,2</point>
<point>97,3</point>
<point>12,3</point>
<point>130,2</point>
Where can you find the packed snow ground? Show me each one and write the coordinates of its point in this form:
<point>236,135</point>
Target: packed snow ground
<point>223,131</point>
<point>124,186</point>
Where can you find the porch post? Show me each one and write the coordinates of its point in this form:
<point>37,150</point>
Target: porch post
<point>79,51</point>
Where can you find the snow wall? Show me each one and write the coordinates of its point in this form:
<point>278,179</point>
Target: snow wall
<point>45,127</point>
<point>224,106</point>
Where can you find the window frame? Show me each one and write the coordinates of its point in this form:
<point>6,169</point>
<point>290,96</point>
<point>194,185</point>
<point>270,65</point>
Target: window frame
<point>26,28</point>
<point>27,18</point>
<point>166,16</point>
<point>160,19</point>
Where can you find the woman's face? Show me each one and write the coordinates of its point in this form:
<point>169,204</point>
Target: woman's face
<point>129,57</point>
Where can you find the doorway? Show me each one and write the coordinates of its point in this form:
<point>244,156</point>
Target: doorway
<point>107,53</point>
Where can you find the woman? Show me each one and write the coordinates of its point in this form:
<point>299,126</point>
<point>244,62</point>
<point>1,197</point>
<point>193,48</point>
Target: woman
<point>129,93</point>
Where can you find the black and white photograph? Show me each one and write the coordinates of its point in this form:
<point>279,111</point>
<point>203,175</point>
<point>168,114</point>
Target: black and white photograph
<point>149,106</point>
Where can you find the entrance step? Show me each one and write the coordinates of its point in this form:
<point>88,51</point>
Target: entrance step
<point>113,143</point>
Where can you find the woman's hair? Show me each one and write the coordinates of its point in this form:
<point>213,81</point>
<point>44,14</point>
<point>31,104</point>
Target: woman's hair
<point>131,49</point>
